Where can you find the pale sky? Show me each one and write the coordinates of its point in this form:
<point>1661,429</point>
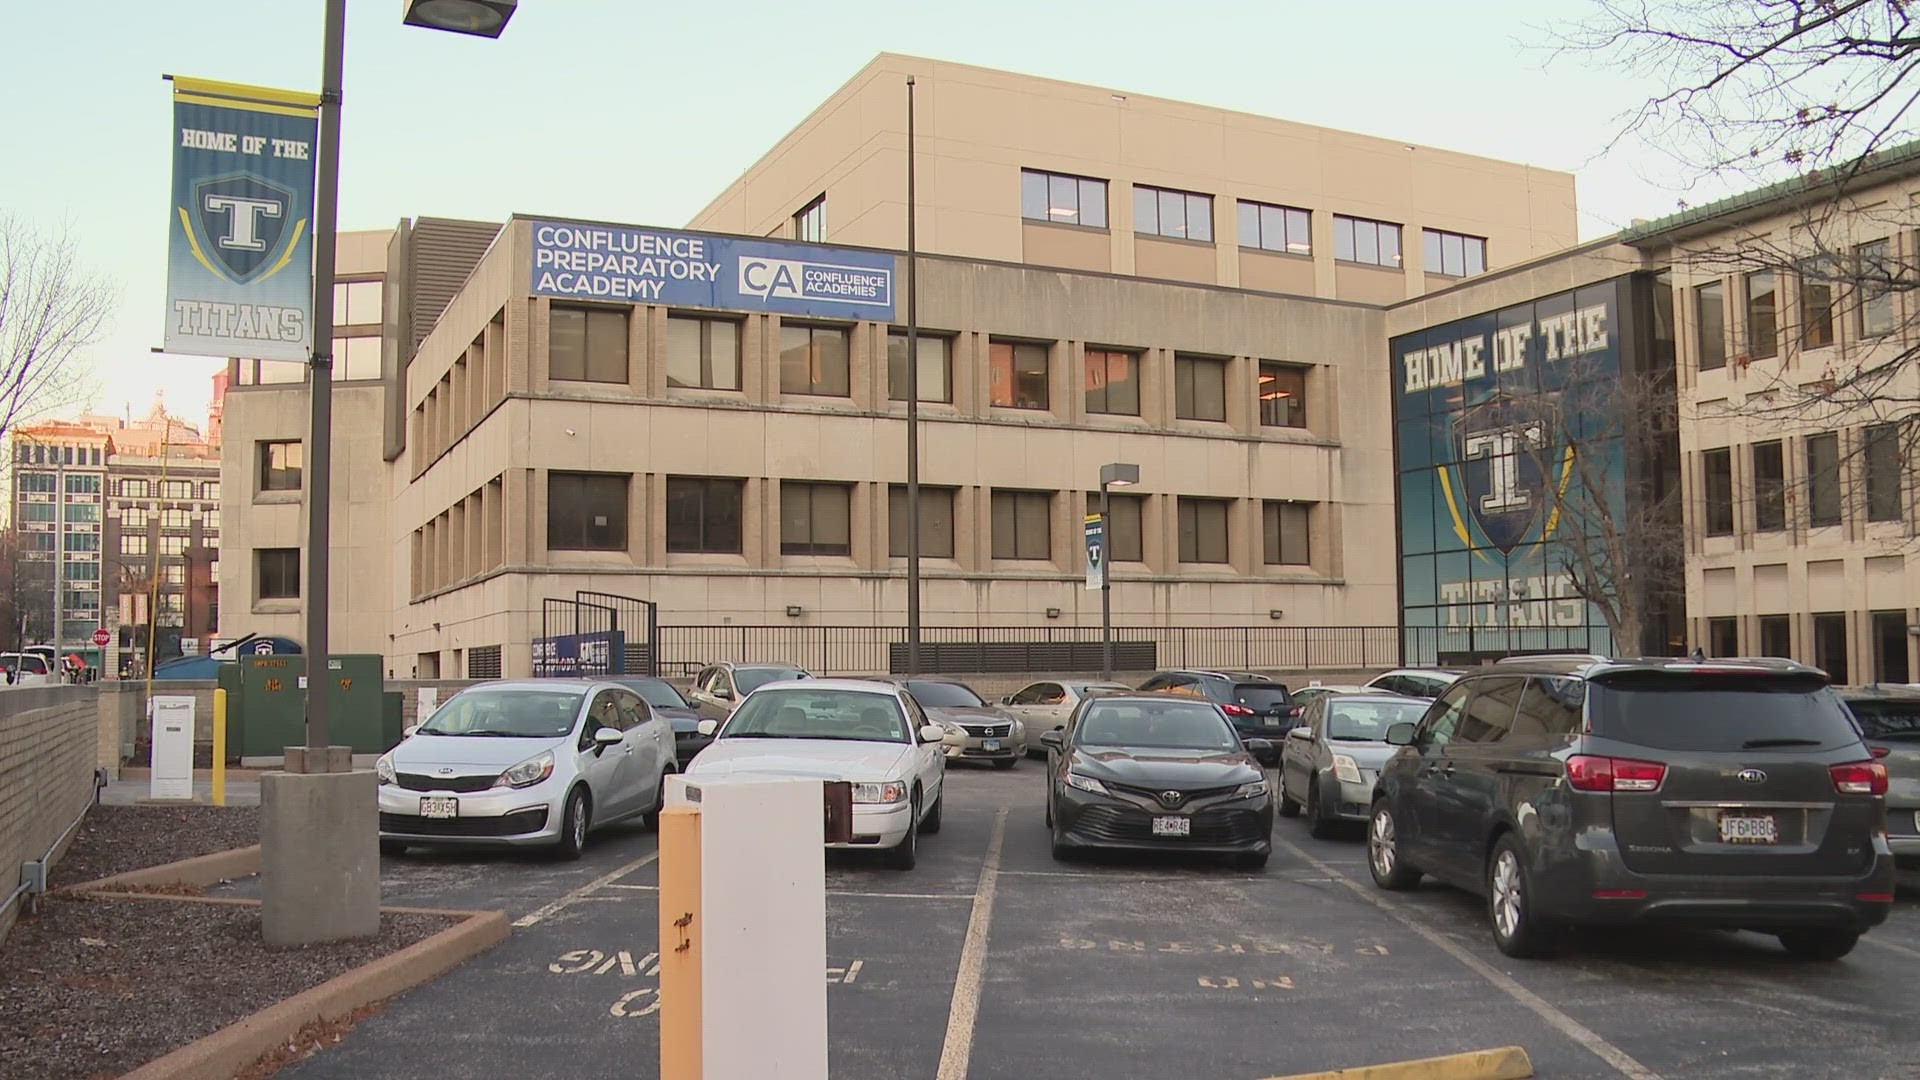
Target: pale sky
<point>641,112</point>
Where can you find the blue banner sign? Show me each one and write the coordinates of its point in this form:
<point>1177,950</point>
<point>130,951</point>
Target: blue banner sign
<point>595,654</point>
<point>659,266</point>
<point>240,235</point>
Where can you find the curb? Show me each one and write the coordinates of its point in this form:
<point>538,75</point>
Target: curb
<point>201,871</point>
<point>1505,1063</point>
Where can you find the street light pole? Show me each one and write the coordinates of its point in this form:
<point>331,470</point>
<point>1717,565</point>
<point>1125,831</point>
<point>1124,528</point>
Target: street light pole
<point>326,212</point>
<point>913,410</point>
<point>1113,475</point>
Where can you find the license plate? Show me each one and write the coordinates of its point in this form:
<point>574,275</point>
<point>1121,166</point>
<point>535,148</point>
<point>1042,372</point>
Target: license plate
<point>439,807</point>
<point>990,744</point>
<point>1741,829</point>
<point>1172,826</point>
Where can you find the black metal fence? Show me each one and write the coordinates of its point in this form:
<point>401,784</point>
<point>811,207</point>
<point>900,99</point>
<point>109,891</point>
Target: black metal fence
<point>868,650</point>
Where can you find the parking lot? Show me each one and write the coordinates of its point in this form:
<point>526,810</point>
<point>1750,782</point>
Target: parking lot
<point>990,960</point>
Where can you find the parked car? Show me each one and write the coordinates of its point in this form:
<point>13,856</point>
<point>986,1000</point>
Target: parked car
<point>1730,793</point>
<point>1256,706</point>
<point>976,730</point>
<point>525,763</point>
<point>1307,695</point>
<point>719,688</point>
<point>1329,762</point>
<point>1045,705</point>
<point>1889,719</point>
<point>1414,682</point>
<point>668,704</point>
<point>872,734</point>
<point>1153,772</point>
<point>26,669</point>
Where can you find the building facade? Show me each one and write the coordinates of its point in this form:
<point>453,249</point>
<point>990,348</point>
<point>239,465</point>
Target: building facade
<point>59,481</point>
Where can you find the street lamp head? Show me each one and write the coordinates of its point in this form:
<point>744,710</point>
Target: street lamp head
<point>481,18</point>
<point>1119,474</point>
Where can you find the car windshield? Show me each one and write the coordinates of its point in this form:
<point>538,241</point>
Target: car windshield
<point>1368,721</point>
<point>1887,718</point>
<point>749,679</point>
<point>1719,712</point>
<point>1261,696</point>
<point>944,695</point>
<point>657,693</point>
<point>842,715</point>
<point>1156,726</point>
<point>520,712</point>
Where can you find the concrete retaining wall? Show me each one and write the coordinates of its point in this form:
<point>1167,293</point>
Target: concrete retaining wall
<point>47,757</point>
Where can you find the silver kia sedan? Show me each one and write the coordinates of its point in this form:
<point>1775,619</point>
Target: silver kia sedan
<point>536,762</point>
<point>1330,759</point>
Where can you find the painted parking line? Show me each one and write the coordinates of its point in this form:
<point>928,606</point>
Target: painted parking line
<point>1622,1062</point>
<point>830,893</point>
<point>548,911</point>
<point>1903,950</point>
<point>957,1050</point>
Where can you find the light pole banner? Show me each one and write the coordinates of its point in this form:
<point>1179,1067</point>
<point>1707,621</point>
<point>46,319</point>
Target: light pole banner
<point>240,227</point>
<point>1096,552</point>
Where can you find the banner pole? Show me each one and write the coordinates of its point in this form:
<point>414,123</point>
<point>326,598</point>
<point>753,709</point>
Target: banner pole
<point>319,461</point>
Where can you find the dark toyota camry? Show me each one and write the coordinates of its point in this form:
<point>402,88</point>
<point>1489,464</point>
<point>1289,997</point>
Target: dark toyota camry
<point>1150,773</point>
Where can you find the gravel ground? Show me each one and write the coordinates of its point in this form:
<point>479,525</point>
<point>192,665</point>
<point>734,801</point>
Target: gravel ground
<point>116,839</point>
<point>93,987</point>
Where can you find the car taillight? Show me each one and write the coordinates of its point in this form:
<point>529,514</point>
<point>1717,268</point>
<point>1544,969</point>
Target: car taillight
<point>1882,751</point>
<point>1860,778</point>
<point>1586,772</point>
<point>1237,710</point>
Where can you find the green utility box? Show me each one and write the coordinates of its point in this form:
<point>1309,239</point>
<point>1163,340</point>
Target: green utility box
<point>266,704</point>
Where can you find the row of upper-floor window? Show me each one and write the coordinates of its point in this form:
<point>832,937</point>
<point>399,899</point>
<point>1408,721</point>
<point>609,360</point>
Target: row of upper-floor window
<point>355,359</point>
<point>1865,477</point>
<point>1064,199</point>
<point>590,345</point>
<point>46,483</point>
<point>173,519</point>
<point>26,451</point>
<point>1829,647</point>
<point>1867,275</point>
<point>135,488</point>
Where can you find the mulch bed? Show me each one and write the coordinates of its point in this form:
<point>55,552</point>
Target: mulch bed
<point>94,986</point>
<point>116,839</point>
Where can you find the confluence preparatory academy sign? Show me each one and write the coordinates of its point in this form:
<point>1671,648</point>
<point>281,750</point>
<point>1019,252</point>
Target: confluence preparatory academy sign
<point>660,266</point>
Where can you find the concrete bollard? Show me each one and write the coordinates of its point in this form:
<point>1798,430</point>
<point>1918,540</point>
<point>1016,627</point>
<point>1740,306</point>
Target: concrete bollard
<point>319,854</point>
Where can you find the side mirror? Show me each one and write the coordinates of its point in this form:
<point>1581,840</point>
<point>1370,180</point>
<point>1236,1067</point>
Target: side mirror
<point>933,733</point>
<point>723,693</point>
<point>1007,700</point>
<point>1400,734</point>
<point>1259,746</point>
<point>607,736</point>
<point>708,727</point>
<point>407,732</point>
<point>1054,740</point>
<point>1303,734</point>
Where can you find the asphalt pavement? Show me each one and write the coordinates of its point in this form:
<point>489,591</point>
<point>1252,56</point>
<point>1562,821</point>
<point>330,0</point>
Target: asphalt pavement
<point>1130,968</point>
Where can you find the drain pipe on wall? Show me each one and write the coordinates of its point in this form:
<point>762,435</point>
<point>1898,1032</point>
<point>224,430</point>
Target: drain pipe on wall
<point>33,875</point>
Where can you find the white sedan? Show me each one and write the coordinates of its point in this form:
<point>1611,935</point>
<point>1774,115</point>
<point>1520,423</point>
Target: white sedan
<point>868,733</point>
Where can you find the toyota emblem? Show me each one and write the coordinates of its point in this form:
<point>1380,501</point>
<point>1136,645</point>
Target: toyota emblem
<point>1752,776</point>
<point>1171,798</point>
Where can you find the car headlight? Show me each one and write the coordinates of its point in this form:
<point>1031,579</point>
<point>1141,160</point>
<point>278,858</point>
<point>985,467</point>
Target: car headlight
<point>1251,789</point>
<point>383,769</point>
<point>1346,769</point>
<point>892,791</point>
<point>527,773</point>
<point>1087,783</point>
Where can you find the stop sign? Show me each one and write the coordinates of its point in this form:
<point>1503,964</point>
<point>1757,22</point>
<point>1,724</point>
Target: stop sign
<point>101,637</point>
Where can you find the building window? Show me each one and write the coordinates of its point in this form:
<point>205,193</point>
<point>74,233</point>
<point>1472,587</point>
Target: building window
<point>1062,199</point>
<point>1710,305</point>
<point>1874,270</point>
<point>277,573</point>
<point>175,520</point>
<point>210,490</point>
<point>1776,636</point>
<point>936,522</point>
<point>1203,530</point>
<point>177,489</point>
<point>1455,254</point>
<point>1769,487</point>
<point>280,464</point>
<point>85,484</point>
<point>210,521</point>
<point>1723,637</point>
<point>83,541</point>
<point>1199,387</point>
<point>1019,374</point>
<point>1182,215</point>
<point>1125,525</point>
<point>816,519</point>
<point>175,574</point>
<point>1763,314</point>
<point>1374,243</point>
<point>173,545</point>
<point>1816,303</point>
<point>134,517</point>
<point>810,224</point>
<point>84,512</point>
<point>703,515</point>
<point>133,489</point>
<point>356,358</point>
<point>703,353</point>
<point>356,303</point>
<point>1276,228</point>
<point>587,511</point>
<point>1830,646</point>
<point>1112,387</point>
<point>1022,525</point>
<point>1285,527</point>
<point>1823,480</point>
<point>1718,466</point>
<point>813,360</point>
<point>1884,468</point>
<point>1889,646</point>
<point>1283,395</point>
<point>587,344</point>
<point>936,366</point>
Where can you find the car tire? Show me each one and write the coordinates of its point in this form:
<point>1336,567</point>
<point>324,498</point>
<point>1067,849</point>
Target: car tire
<point>1822,943</point>
<point>904,854</point>
<point>1390,870</point>
<point>651,819</point>
<point>574,825</point>
<point>1288,808</point>
<point>393,849</point>
<point>1049,809</point>
<point>931,824</point>
<point>1255,861</point>
<point>1319,826</point>
<point>1517,929</point>
<point>1061,852</point>
<point>1006,764</point>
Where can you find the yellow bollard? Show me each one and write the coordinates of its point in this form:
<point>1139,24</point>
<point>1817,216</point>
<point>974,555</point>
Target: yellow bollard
<point>219,748</point>
<point>681,1029</point>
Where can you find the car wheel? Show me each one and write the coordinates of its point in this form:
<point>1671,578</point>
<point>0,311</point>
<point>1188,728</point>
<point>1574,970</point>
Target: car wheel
<point>1819,944</point>
<point>1049,809</point>
<point>1256,861</point>
<point>573,827</point>
<point>1516,929</point>
<point>932,823</point>
<point>904,854</point>
<point>1319,826</point>
<point>1288,808</point>
<point>1061,852</point>
<point>393,849</point>
<point>1007,763</point>
<point>651,819</point>
<point>1390,871</point>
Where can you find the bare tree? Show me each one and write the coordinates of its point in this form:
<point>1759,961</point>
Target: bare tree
<point>51,311</point>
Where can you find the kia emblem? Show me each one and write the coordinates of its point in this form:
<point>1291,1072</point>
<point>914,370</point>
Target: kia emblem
<point>1752,776</point>
<point>446,772</point>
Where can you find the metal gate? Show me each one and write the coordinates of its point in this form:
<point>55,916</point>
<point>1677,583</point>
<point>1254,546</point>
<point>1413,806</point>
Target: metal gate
<point>596,634</point>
